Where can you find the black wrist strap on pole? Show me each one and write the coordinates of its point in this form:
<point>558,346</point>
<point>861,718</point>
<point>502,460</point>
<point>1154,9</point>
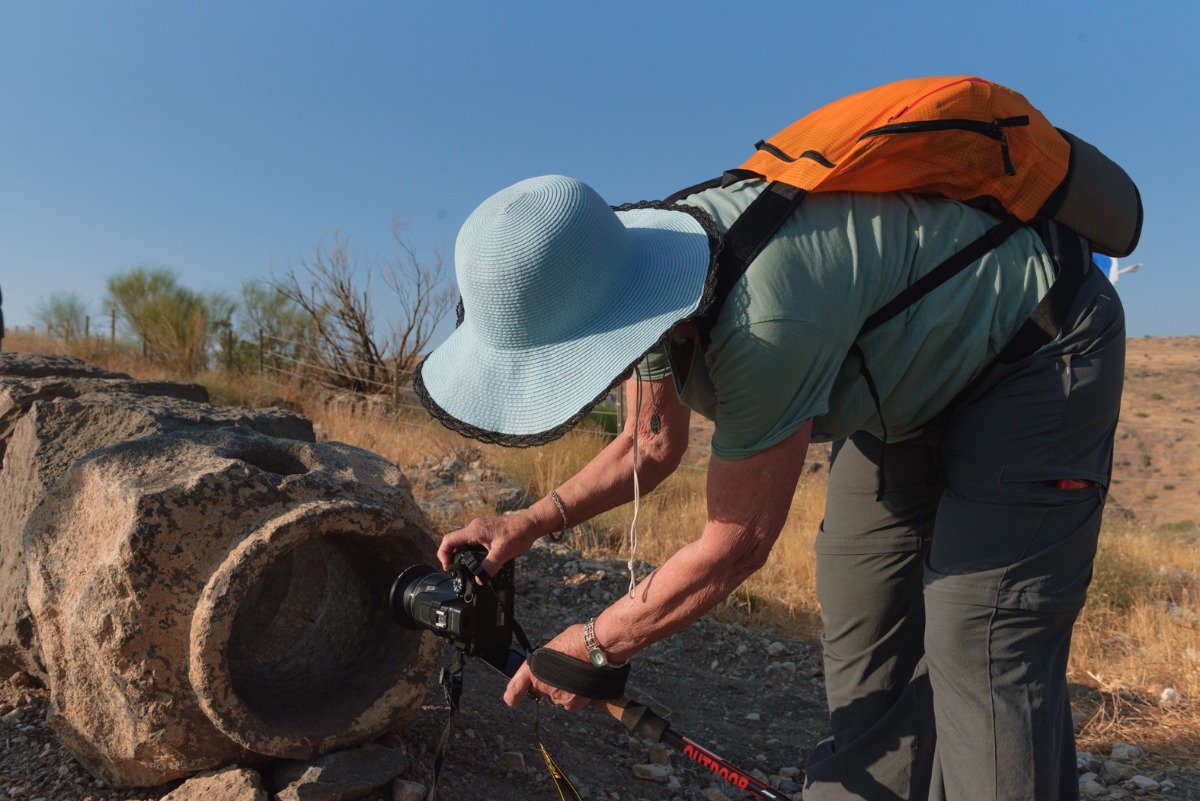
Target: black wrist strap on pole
<point>576,676</point>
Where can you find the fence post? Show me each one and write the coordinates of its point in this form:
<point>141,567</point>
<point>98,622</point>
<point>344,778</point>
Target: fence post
<point>395,386</point>
<point>113,330</point>
<point>87,329</point>
<point>260,351</point>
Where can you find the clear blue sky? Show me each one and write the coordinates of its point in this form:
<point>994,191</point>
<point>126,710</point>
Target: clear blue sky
<point>226,139</point>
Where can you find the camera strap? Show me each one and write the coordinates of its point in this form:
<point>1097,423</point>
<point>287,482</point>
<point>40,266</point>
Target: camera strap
<point>451,680</point>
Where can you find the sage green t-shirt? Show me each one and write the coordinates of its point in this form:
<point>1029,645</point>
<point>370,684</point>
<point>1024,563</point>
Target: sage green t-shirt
<point>779,352</point>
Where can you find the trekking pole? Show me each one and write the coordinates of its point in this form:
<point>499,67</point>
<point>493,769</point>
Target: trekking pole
<point>641,719</point>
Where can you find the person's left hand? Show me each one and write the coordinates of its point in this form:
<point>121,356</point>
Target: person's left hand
<point>569,642</point>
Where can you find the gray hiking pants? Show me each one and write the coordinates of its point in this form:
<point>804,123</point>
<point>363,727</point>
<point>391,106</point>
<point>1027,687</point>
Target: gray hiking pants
<point>948,606</point>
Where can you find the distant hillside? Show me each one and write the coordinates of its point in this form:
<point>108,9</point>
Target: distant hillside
<point>1157,464</point>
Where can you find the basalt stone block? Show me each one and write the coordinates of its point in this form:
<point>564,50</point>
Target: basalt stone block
<point>63,420</point>
<point>29,378</point>
<point>43,365</point>
<point>208,598</point>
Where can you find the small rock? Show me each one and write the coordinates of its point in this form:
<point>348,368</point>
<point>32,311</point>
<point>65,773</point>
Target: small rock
<point>776,648</point>
<point>790,787</point>
<point>408,791</point>
<point>1092,789</point>
<point>653,773</point>
<point>660,754</point>
<point>1125,751</point>
<point>713,794</point>
<point>511,761</point>
<point>1170,697</point>
<point>1141,782</point>
<point>1115,771</point>
<point>345,774</point>
<point>229,784</point>
<point>753,716</point>
<point>1086,761</point>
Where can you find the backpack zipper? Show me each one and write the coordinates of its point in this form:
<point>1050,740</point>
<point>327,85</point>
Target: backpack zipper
<point>993,129</point>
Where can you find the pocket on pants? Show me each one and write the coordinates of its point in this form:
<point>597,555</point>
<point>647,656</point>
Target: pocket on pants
<point>1030,556</point>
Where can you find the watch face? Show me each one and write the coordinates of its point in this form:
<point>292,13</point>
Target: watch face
<point>598,658</point>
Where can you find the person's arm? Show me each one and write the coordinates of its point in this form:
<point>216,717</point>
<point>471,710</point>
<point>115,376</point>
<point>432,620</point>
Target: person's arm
<point>748,503</point>
<point>604,483</point>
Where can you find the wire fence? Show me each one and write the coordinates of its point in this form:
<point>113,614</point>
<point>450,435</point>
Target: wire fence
<point>282,360</point>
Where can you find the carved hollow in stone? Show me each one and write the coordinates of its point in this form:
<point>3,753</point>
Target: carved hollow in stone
<point>208,597</point>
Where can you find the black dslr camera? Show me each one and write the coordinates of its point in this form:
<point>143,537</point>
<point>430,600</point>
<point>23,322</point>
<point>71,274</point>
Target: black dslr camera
<point>476,618</point>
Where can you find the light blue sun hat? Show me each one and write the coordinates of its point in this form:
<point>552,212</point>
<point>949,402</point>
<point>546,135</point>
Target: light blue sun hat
<point>560,296</point>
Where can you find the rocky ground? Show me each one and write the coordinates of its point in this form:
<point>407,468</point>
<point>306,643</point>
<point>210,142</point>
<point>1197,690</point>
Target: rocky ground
<point>756,698</point>
<point>752,697</point>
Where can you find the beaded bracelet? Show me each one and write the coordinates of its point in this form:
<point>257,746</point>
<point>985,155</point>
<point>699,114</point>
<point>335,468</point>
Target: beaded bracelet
<point>557,536</point>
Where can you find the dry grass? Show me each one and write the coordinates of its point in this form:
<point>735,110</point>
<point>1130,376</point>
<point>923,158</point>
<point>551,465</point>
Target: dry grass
<point>1138,635</point>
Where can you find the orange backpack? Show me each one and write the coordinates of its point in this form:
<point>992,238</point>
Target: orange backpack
<point>963,138</point>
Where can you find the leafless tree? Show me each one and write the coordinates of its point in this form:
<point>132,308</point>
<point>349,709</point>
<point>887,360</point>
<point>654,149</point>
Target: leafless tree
<point>335,295</point>
<point>424,298</point>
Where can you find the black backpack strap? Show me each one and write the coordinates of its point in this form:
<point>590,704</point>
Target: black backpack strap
<point>1072,256</point>
<point>691,190</point>
<point>939,275</point>
<point>744,240</point>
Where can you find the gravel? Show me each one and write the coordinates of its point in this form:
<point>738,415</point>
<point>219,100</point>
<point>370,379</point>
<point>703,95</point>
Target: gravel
<point>754,697</point>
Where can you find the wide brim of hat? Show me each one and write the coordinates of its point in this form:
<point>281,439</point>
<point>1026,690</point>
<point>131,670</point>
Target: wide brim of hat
<point>526,396</point>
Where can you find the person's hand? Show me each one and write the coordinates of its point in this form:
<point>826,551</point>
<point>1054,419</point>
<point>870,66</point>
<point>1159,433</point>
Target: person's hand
<point>505,538</point>
<point>569,642</point>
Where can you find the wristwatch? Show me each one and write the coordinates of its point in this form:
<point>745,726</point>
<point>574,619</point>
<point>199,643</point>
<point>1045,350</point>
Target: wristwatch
<point>596,654</point>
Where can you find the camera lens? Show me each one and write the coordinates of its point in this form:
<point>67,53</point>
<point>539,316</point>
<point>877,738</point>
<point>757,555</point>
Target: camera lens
<point>403,589</point>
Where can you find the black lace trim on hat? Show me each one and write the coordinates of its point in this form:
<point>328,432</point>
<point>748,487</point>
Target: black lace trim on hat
<point>458,426</point>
